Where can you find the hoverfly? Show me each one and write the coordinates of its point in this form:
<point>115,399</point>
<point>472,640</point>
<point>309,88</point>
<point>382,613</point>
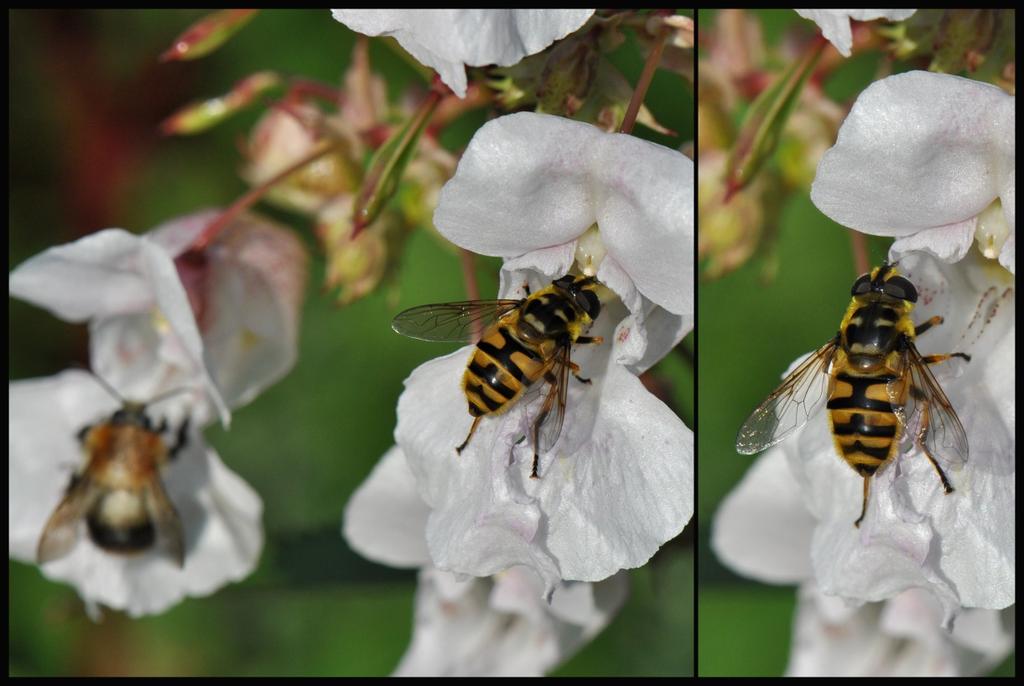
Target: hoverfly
<point>877,384</point>
<point>118,491</point>
<point>522,342</point>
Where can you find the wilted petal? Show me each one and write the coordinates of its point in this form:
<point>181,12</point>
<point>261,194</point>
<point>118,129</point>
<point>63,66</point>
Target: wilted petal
<point>835,24</point>
<point>253,300</point>
<point>532,181</point>
<point>386,519</point>
<point>920,151</point>
<point>450,40</point>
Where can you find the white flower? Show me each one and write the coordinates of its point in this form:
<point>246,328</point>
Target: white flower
<point>450,40</point>
<point>929,159</point>
<point>791,519</point>
<point>471,626</point>
<point>835,24</point>
<point>619,482</point>
<point>220,514</point>
<point>222,322</point>
<point>898,637</point>
<point>161,315</point>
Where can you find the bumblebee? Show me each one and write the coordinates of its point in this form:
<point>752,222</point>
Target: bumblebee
<point>878,385</point>
<point>118,491</point>
<point>519,343</point>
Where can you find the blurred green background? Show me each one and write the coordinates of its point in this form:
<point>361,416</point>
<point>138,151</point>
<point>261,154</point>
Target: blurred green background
<point>86,94</point>
<point>749,332</point>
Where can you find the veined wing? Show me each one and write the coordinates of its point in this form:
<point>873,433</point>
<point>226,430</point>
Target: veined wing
<point>554,402</point>
<point>452,322</point>
<point>945,439</point>
<point>789,405</point>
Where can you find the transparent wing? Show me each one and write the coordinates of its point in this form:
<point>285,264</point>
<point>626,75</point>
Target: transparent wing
<point>454,322</point>
<point>945,439</point>
<point>61,531</point>
<point>789,405</point>
<point>165,518</point>
<point>554,402</point>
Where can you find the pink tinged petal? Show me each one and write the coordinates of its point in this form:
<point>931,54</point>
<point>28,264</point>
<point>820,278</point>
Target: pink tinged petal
<point>918,151</point>
<point>530,181</point>
<point>253,294</point>
<point>386,520</point>
<point>762,529</point>
<point>448,40</point>
<point>835,24</point>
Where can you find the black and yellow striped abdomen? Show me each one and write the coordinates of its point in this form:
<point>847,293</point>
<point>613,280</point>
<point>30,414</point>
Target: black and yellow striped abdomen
<point>863,420</point>
<point>868,383</point>
<point>500,369</point>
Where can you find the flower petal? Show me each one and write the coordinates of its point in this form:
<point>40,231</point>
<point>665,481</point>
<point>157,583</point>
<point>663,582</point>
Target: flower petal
<point>386,519</point>
<point>448,40</point>
<point>530,181</point>
<point>43,417</point>
<point>762,529</point>
<point>98,275</point>
<point>502,627</point>
<point>254,293</point>
<point>835,24</point>
<point>605,505</point>
<point>918,151</point>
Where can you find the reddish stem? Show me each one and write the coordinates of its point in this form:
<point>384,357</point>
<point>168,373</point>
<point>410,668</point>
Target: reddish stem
<point>645,80</point>
<point>250,198</point>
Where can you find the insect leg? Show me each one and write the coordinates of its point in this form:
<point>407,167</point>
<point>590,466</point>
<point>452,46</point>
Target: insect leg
<point>934,359</point>
<point>181,439</point>
<point>589,340</point>
<point>922,434</point>
<point>549,402</point>
<point>476,420</point>
<point>576,372</point>
<point>864,507</point>
<point>924,326</point>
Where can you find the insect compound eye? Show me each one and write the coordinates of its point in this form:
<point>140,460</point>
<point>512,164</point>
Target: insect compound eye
<point>862,285</point>
<point>900,288</point>
<point>564,282</point>
<point>120,417</point>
